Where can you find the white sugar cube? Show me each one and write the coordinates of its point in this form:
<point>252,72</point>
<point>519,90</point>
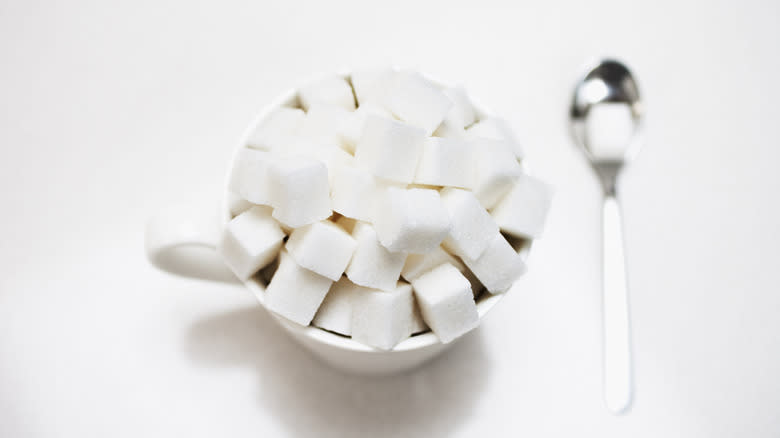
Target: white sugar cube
<point>523,211</point>
<point>329,153</point>
<point>496,171</point>
<point>330,90</point>
<point>295,292</point>
<point>472,227</point>
<point>372,264</point>
<point>250,241</point>
<point>353,192</point>
<point>382,319</point>
<point>354,129</point>
<point>329,122</point>
<point>411,220</point>
<point>418,264</point>
<point>418,101</point>
<point>277,129</point>
<point>249,176</point>
<point>446,302</point>
<point>336,159</point>
<point>446,162</point>
<point>389,149</point>
<point>309,147</point>
<point>497,129</point>
<point>462,113</point>
<point>609,128</point>
<point>371,85</point>
<point>237,204</point>
<point>498,267</point>
<point>418,323</point>
<point>335,312</point>
<point>300,193</point>
<point>322,247</point>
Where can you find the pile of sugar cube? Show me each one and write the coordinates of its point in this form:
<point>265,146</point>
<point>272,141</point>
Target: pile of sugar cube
<point>381,205</point>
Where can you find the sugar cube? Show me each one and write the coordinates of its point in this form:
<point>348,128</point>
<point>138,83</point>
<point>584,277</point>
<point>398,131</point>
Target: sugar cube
<point>496,129</point>
<point>371,85</point>
<point>335,312</point>
<point>249,176</point>
<point>331,154</point>
<point>472,227</point>
<point>411,220</point>
<point>322,247</point>
<point>329,122</point>
<point>462,113</point>
<point>389,149</point>
<point>250,241</point>
<point>498,267</point>
<point>496,170</point>
<point>295,292</point>
<point>330,90</point>
<point>418,264</point>
<point>353,192</point>
<point>300,193</point>
<point>372,264</point>
<point>523,211</point>
<point>446,302</point>
<point>416,100</point>
<point>276,129</point>
<point>382,319</point>
<point>446,162</point>
<point>354,129</point>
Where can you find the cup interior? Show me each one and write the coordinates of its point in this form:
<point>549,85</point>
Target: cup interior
<point>485,300</point>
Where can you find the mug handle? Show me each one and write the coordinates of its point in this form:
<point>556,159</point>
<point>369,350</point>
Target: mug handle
<point>182,239</point>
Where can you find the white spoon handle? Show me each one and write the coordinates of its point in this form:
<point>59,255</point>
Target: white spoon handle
<point>617,338</point>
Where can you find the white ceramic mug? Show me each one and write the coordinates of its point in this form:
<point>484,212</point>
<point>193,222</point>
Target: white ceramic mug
<point>182,240</point>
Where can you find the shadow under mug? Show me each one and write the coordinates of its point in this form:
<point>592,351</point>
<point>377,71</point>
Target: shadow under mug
<point>182,240</point>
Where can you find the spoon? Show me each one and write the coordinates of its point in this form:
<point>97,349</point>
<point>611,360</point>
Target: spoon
<point>609,93</point>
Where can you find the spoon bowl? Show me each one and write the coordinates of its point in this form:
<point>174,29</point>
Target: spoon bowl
<point>607,83</point>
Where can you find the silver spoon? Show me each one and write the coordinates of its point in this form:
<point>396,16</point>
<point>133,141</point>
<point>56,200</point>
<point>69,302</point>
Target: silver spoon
<point>609,84</point>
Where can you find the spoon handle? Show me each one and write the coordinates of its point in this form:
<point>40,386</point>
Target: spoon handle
<point>617,339</point>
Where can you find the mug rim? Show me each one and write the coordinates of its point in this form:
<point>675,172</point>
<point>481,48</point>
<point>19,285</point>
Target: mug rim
<point>484,302</point>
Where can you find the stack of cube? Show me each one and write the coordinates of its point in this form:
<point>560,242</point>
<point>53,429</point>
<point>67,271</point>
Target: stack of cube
<point>378,206</point>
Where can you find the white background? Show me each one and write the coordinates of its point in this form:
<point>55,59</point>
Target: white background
<point>110,111</point>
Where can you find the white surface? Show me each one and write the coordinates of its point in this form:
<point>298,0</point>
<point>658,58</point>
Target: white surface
<point>99,99</point>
